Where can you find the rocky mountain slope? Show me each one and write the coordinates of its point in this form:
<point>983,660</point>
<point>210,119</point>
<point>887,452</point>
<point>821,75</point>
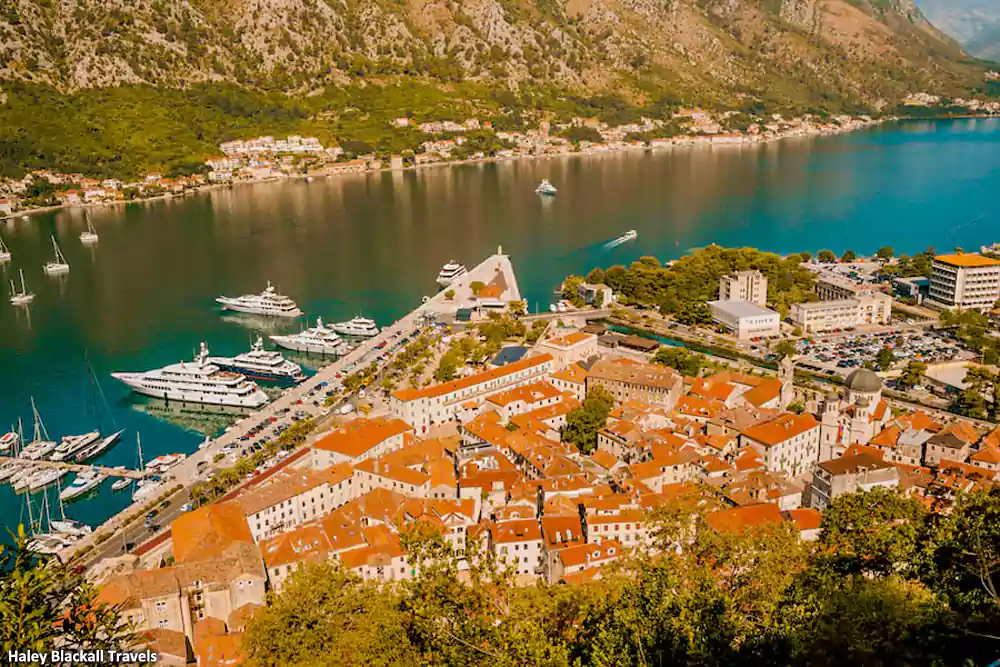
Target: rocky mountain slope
<point>975,23</point>
<point>858,52</point>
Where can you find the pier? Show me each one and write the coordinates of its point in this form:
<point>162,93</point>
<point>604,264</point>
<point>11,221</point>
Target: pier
<point>75,467</point>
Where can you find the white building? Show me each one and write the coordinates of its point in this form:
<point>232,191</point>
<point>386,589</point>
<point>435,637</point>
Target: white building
<point>744,286</point>
<point>294,497</point>
<point>842,313</point>
<point>570,348</point>
<point>440,403</point>
<point>746,319</point>
<point>788,443</point>
<point>966,281</point>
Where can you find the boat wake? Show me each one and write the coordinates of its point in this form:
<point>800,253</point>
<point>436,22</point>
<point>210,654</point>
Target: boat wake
<point>630,235</point>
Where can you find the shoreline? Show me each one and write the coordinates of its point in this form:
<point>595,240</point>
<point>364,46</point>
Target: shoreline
<point>685,141</point>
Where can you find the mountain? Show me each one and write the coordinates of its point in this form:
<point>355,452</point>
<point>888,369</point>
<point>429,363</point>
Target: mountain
<point>974,23</point>
<point>856,50</point>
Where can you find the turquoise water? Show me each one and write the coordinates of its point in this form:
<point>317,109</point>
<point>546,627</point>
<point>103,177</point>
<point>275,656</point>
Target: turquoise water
<point>373,244</point>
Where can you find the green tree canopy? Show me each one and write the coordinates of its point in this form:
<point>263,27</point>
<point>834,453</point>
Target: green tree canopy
<point>583,423</point>
<point>688,363</point>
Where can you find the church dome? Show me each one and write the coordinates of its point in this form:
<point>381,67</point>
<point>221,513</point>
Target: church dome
<point>863,381</point>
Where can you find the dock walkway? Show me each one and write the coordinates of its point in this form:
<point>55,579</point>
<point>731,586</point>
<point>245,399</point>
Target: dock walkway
<point>76,467</point>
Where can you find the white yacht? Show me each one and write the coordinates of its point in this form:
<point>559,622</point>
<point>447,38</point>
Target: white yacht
<point>70,527</point>
<point>546,188</point>
<point>451,272</point>
<point>196,381</point>
<point>630,235</point>
<point>4,251</point>
<point>97,448</point>
<point>121,484</point>
<point>161,464</point>
<point>71,444</point>
<point>9,469</point>
<point>59,266</point>
<point>90,236</point>
<point>261,364</point>
<point>145,489</point>
<point>40,445</point>
<point>84,482</point>
<point>359,327</point>
<point>9,441</point>
<point>46,477</point>
<point>320,339</point>
<point>268,302</point>
<point>22,298</point>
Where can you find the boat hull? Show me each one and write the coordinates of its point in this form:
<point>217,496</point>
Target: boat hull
<point>253,400</point>
<point>56,269</point>
<point>96,450</point>
<point>229,304</point>
<point>354,333</point>
<point>298,345</point>
<point>258,374</point>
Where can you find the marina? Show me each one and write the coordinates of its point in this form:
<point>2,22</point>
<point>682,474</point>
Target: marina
<point>374,244</point>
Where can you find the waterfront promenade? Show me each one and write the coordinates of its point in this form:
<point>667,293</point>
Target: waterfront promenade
<point>201,463</point>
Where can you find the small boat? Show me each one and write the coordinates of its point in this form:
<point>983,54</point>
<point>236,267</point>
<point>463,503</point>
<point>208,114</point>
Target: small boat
<point>630,235</point>
<point>70,527</point>
<point>546,189</point>
<point>22,473</point>
<point>359,327</point>
<point>60,265</point>
<point>84,482</point>
<point>90,236</point>
<point>48,543</point>
<point>451,272</point>
<point>121,484</point>
<point>71,444</point>
<point>98,448</point>
<point>22,298</point>
<point>9,441</point>
<point>145,489</point>
<point>163,463</point>
<point>4,251</point>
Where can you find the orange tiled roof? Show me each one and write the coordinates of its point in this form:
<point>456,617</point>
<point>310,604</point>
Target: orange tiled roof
<point>783,428</point>
<point>739,519</point>
<point>209,531</point>
<point>517,530</point>
<point>359,435</point>
<point>604,459</point>
<point>805,518</point>
<point>445,388</point>
<point>590,553</point>
<point>766,391</point>
<point>528,393</point>
<point>570,340</point>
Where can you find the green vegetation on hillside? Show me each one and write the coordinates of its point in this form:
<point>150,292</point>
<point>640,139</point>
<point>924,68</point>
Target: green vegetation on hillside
<point>886,583</point>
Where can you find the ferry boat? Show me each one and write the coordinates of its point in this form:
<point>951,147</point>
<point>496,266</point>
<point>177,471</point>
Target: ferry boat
<point>261,364</point>
<point>71,444</point>
<point>196,382</point>
<point>90,236</point>
<point>98,448</point>
<point>359,327</point>
<point>4,251</point>
<point>546,188</point>
<point>268,302</point>
<point>451,272</point>
<point>319,339</point>
<point>84,482</point>
<point>9,441</point>
<point>59,266</point>
<point>22,298</point>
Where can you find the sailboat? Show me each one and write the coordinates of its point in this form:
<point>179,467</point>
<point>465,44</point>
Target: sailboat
<point>98,447</point>
<point>59,266</point>
<point>126,482</point>
<point>90,236</point>
<point>22,298</point>
<point>40,446</point>
<point>4,251</point>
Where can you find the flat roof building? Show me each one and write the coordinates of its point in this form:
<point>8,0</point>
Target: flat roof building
<point>748,286</point>
<point>967,281</point>
<point>745,319</point>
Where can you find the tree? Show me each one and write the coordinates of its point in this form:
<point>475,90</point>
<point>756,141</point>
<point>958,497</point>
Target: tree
<point>797,407</point>
<point>583,423</point>
<point>785,348</point>
<point>517,309</point>
<point>885,358</point>
<point>885,252</point>
<point>688,363</point>
<point>595,276</point>
<point>476,286</point>
<point>47,604</point>
<point>913,375</point>
<point>570,290</point>
<point>848,256</point>
<point>449,294</point>
<point>826,257</point>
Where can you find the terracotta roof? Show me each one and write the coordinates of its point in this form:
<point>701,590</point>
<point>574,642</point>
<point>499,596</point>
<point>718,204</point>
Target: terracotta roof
<point>695,406</point>
<point>167,642</point>
<point>570,340</point>
<point>887,437</point>
<point>360,435</point>
<point>289,484</point>
<point>854,464</point>
<point>517,530</point>
<point>583,554</point>
<point>967,260</point>
<point>763,393</point>
<point>562,531</point>
<point>783,428</point>
<point>604,459</point>
<point>805,518</point>
<point>528,393</point>
<point>209,531</point>
<point>963,431</point>
<point>472,380</point>
<point>988,454</point>
<point>738,519</point>
<point>646,375</point>
<point>220,650</point>
<point>864,449</point>
<point>572,373</point>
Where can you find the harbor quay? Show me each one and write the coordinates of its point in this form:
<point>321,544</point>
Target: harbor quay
<point>77,467</point>
<point>496,271</point>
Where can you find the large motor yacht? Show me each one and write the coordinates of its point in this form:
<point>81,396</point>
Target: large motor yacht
<point>320,340</point>
<point>71,444</point>
<point>261,364</point>
<point>268,302</point>
<point>451,272</point>
<point>546,188</point>
<point>359,327</point>
<point>196,382</point>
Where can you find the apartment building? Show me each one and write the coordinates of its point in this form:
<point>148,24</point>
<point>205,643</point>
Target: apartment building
<point>359,440</point>
<point>291,497</point>
<point>788,443</point>
<point>629,380</point>
<point>526,398</point>
<point>849,474</point>
<point>749,286</point>
<point>518,543</point>
<point>968,281</point>
<point>440,403</point>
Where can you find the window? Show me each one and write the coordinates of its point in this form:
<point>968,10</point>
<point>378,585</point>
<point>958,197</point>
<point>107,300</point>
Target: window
<point>161,606</point>
<point>163,623</point>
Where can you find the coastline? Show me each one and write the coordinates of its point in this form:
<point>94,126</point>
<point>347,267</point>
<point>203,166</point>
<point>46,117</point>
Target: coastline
<point>685,141</point>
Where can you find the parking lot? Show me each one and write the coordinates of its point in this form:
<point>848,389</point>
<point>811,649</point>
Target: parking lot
<point>851,350</point>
